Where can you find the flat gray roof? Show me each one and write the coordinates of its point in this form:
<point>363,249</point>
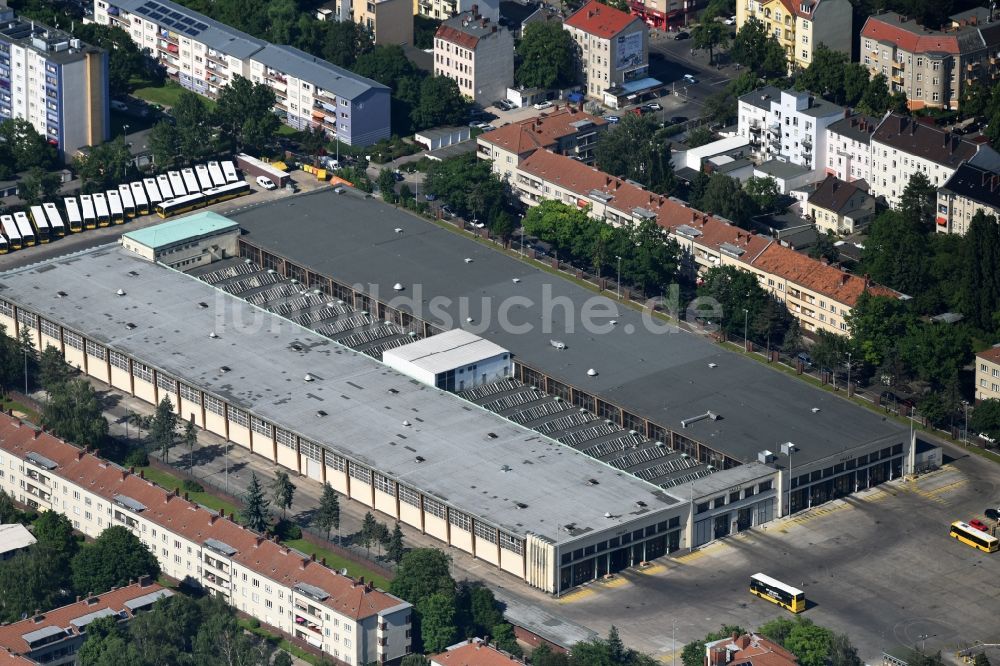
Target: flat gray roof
<point>727,478</point>
<point>295,62</point>
<point>780,169</point>
<point>190,23</point>
<point>663,375</point>
<point>518,480</point>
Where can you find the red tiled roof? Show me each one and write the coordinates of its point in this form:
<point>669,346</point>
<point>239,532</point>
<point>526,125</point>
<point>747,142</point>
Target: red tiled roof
<point>907,35</point>
<point>474,654</point>
<point>62,618</point>
<point>600,20</point>
<point>456,36</point>
<point>8,659</point>
<point>271,560</point>
<point>542,132</point>
<point>755,650</point>
<point>991,354</point>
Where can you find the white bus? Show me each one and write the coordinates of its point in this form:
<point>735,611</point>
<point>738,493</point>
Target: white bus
<point>89,215</point>
<point>24,228</point>
<point>115,206</point>
<point>163,184</point>
<point>139,195</point>
<point>73,215</point>
<point>153,192</point>
<point>4,247</point>
<point>229,171</point>
<point>204,178</point>
<point>101,207</point>
<point>128,201</point>
<point>215,171</point>
<point>10,231</point>
<point>41,224</point>
<point>56,226</point>
<point>190,181</point>
<point>176,184</point>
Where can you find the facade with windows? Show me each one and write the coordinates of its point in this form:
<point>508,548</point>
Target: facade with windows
<point>55,82</point>
<point>848,148</point>
<point>445,9</point>
<point>281,587</point>
<point>969,190</point>
<point>988,374</point>
<point>388,21</point>
<point>477,54</point>
<point>612,47</point>
<point>801,25</point>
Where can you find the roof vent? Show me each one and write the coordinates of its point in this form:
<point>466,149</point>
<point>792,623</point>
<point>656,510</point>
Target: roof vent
<point>406,424</point>
<point>248,261</point>
<point>294,281</point>
<point>520,505</point>
<point>420,459</point>
<point>61,294</point>
<point>815,410</point>
<point>225,369</point>
<point>134,273</point>
<point>468,260</point>
<point>203,305</point>
<point>592,482</point>
<point>491,435</point>
<point>397,287</point>
<point>469,320</point>
<point>506,468</point>
<point>213,335</point>
<point>130,326</point>
<point>516,280</point>
<point>765,456</point>
<point>591,372</point>
<point>713,365</point>
<point>271,271</point>
<point>607,514</point>
<point>398,230</point>
<point>120,292</point>
<point>633,432</point>
<point>320,413</point>
<point>308,377</point>
<point>640,504</point>
<point>660,444</point>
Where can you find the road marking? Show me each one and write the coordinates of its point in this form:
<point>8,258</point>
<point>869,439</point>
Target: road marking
<point>669,657</point>
<point>617,581</point>
<point>652,570</point>
<point>576,595</point>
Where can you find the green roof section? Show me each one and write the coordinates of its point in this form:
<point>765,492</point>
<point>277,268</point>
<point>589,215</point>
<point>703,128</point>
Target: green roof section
<point>176,231</point>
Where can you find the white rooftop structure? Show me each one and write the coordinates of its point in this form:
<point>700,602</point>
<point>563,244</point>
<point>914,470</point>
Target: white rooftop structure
<point>14,537</point>
<point>454,360</point>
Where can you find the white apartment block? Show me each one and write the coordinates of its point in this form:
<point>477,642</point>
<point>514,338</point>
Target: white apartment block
<point>848,148</point>
<point>476,53</point>
<point>612,47</point>
<point>444,9</point>
<point>283,588</point>
<point>787,125</point>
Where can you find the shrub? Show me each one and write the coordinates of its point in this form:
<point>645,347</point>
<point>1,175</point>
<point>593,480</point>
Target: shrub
<point>192,486</point>
<point>137,458</point>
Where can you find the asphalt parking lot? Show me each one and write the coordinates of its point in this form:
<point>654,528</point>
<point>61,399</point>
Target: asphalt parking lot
<point>878,566</point>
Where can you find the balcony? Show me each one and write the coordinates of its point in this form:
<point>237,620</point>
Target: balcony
<point>897,78</point>
<point>35,476</point>
<point>212,56</point>
<point>40,494</point>
<point>897,64</point>
<point>216,581</point>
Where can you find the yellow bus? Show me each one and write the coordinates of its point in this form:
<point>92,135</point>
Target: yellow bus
<point>970,536</point>
<point>776,592</point>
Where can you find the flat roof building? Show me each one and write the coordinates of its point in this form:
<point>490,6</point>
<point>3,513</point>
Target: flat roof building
<point>454,360</point>
<point>186,242</point>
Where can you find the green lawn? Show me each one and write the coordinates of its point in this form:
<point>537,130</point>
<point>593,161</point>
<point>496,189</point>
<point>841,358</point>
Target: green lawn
<point>169,481</point>
<point>278,641</point>
<point>29,413</point>
<point>338,562</point>
<point>285,130</point>
<point>165,95</point>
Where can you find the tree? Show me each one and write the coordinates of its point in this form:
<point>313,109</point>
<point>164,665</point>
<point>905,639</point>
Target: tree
<point>421,573</point>
<point>699,137</point>
<point>163,428</point>
<point>386,184</point>
<point>979,277</point>
<point>381,536</point>
<point>369,531</point>
<point>313,140</point>
<point>29,582</point>
<point>243,113</point>
<point>190,438</point>
<point>27,148</point>
<point>875,323</point>
<point>825,74</point>
<point>39,185</point>
<point>985,418</point>
<point>116,557</point>
<point>74,413</point>
<point>107,644</point>
<point>724,196</point>
<point>980,660</point>
<point>344,42</point>
<point>546,56</point>
<point>415,659</point>
<point>894,241</point>
<point>754,49</point>
<point>616,648</point>
<point>328,516</point>
<point>9,513</point>
<point>745,306</point>
<point>693,654</point>
<point>830,350</point>
<point>635,148</point>
<point>54,536</point>
<point>505,639</point>
<point>125,60</point>
<point>484,610</point>
<point>764,192</point>
<point>825,248</point>
<point>27,354</point>
<point>165,144</point>
<point>285,659</point>
<point>842,653</point>
<point>437,621</point>
<point>194,122</point>
<point>810,643</point>
<point>282,491</point>
<point>711,35</point>
<point>104,165</point>
<point>935,352</point>
<point>468,185</point>
<point>777,630</point>
<point>53,373</point>
<point>441,103</point>
<point>918,200</point>
<point>255,512</point>
<point>394,549</point>
<point>544,656</point>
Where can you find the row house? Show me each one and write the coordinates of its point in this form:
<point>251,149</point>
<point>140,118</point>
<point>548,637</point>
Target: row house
<point>477,54</point>
<point>848,148</point>
<point>969,190</point>
<point>204,56</point>
<point>839,207</point>
<point>801,25</point>
<point>283,588</point>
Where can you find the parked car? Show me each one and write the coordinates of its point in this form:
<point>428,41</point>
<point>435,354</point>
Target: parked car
<point>117,105</point>
<point>730,21</point>
<point>398,176</point>
<point>543,105</point>
<point>979,525</point>
<point>266,183</point>
<point>447,212</point>
<point>654,106</point>
<point>689,79</point>
<point>612,119</point>
<point>430,197</point>
<point>677,120</point>
<point>806,359</point>
<point>682,35</point>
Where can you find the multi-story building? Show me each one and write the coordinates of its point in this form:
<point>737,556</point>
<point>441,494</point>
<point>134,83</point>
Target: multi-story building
<point>612,47</point>
<point>840,207</point>
<point>54,81</point>
<point>476,53</point>
<point>969,190</point>
<point>204,55</point>
<point>747,650</point>
<point>848,148</point>
<point>801,25</point>
<point>444,9</point>
<point>788,126</point>
<point>566,131</point>
<point>901,146</point>
<point>474,652</point>
<point>388,21</point>
<point>281,587</point>
<point>988,374</point>
<point>659,14</point>
<point>932,67</point>
<point>53,637</point>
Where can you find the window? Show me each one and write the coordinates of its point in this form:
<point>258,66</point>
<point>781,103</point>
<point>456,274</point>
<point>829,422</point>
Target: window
<point>433,508</point>
<point>936,66</point>
<point>484,531</point>
<point>143,372</point>
<point>385,484</point>
<point>119,361</point>
<point>166,383</point>
<point>285,438</point>
<point>49,329</point>
<point>511,543</point>
<point>96,350</point>
<point>362,473</point>
<point>460,520</point>
<point>764,486</point>
<point>73,340</point>
<point>214,405</point>
<point>260,426</point>
<point>239,417</point>
<point>190,394</point>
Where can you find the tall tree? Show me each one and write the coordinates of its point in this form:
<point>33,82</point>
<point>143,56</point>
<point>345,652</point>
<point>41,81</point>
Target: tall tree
<point>758,51</point>
<point>986,419</point>
<point>39,185</point>
<point>395,549</point>
<point>27,148</point>
<point>255,513</point>
<point>421,573</point>
<point>369,531</point>
<point>163,428</point>
<point>918,200</point>
<point>29,581</point>
<point>724,196</point>
<point>282,491</point>
<point>710,35</point>
<point>979,287</point>
<point>842,653</point>
<point>108,644</point>
<point>112,560</point>
<point>894,240</point>
<point>440,103</point>
<point>636,148</point>
<point>165,144</point>
<point>810,643</point>
<point>825,74</point>
<point>190,438</point>
<point>194,123</point>
<point>244,114</point>
<point>53,372</point>
<point>546,56</point>
<point>328,516</point>
<point>764,192</point>
<point>437,621</point>
<point>876,323</point>
<point>104,165</point>
<point>74,413</point>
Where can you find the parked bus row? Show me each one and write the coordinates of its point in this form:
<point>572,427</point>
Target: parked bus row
<point>181,191</point>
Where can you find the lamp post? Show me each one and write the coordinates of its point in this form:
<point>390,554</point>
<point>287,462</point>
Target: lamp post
<point>746,319</point>
<point>618,282</point>
<point>848,374</point>
<point>965,437</point>
<point>788,449</point>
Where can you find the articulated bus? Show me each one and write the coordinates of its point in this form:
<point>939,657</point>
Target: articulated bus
<point>11,232</point>
<point>141,202</point>
<point>176,184</point>
<point>101,207</point>
<point>226,192</point>
<point>41,224</point>
<point>28,237</point>
<point>215,171</point>
<point>4,248</point>
<point>970,536</point>
<point>184,204</point>
<point>163,184</point>
<point>56,226</point>
<point>204,178</point>
<point>778,593</point>
<point>89,214</point>
<point>73,215</point>
<point>153,192</point>
<point>190,180</point>
<point>115,206</point>
<point>229,171</point>
<point>128,201</point>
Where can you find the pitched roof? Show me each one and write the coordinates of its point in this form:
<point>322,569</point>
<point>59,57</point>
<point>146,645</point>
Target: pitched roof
<point>834,194</point>
<point>541,132</point>
<point>753,649</point>
<point>15,536</point>
<point>857,127</point>
<point>282,565</point>
<point>473,653</point>
<point>466,29</point>
<point>600,19</point>
<point>907,35</point>
<point>991,354</point>
<point>71,619</point>
<point>976,184</point>
<point>924,140</point>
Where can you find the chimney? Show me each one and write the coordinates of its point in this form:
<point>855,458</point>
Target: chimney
<point>475,11</point>
<point>323,561</point>
<point>993,182</point>
<point>361,580</point>
<point>230,515</point>
<point>212,518</point>
<point>257,541</point>
<point>79,454</point>
<point>185,496</point>
<point>844,277</point>
<point>144,581</point>
<point>131,470</point>
<point>313,557</point>
<point>142,474</point>
<point>35,434</point>
<point>694,216</point>
<point>124,474</point>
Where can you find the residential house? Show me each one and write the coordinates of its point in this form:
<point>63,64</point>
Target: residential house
<point>661,14</point>
<point>477,53</point>
<point>840,208</point>
<point>969,190</point>
<point>801,25</point>
<point>612,47</point>
<point>747,650</point>
<point>988,374</point>
<point>474,652</point>
<point>848,147</point>
<point>388,21</point>
<point>445,9</point>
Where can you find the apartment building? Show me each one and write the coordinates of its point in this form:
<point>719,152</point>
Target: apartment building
<point>801,25</point>
<point>204,55</point>
<point>476,53</point>
<point>988,374</point>
<point>788,126</point>
<point>54,637</point>
<point>932,67</point>
<point>474,652</point>
<point>445,9</point>
<point>388,21</point>
<point>54,81</point>
<point>902,146</point>
<point>818,295</point>
<point>969,190</point>
<point>839,207</point>
<point>283,588</point>
<point>848,148</point>
<point>564,130</point>
<point>612,47</point>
